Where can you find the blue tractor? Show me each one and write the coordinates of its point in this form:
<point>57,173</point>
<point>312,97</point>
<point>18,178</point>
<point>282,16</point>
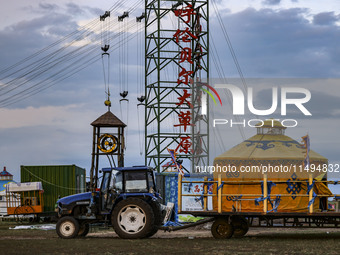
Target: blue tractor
<point>126,199</point>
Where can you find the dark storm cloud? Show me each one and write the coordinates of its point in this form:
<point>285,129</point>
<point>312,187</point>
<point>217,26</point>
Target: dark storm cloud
<point>325,18</point>
<point>74,8</point>
<point>27,37</point>
<point>94,11</point>
<point>271,2</point>
<point>321,105</point>
<point>280,43</point>
<point>21,40</point>
<point>48,7</point>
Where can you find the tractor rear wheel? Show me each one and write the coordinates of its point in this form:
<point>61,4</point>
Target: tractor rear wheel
<point>133,218</point>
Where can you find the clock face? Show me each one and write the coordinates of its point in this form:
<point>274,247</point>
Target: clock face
<point>107,143</point>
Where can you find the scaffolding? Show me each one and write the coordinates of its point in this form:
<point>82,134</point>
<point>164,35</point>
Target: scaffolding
<point>176,69</point>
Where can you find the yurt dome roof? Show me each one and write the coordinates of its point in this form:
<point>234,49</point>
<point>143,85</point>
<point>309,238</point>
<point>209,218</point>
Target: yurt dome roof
<point>269,145</point>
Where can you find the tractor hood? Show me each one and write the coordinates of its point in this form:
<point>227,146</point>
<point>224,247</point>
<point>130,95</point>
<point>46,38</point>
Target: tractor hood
<point>75,198</point>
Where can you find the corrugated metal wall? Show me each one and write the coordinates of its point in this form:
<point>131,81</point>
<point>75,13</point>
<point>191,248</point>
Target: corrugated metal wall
<point>63,180</point>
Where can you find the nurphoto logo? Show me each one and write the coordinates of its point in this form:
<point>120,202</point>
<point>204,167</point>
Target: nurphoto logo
<point>294,96</point>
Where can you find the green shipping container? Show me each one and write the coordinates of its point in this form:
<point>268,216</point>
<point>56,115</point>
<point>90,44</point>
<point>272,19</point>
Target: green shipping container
<point>57,181</point>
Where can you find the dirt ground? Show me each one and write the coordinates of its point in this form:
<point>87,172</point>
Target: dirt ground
<point>188,241</point>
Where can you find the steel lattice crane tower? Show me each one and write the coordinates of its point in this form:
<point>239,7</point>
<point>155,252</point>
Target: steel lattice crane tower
<point>176,74</point>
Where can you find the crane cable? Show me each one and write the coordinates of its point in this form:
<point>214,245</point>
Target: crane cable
<point>105,46</point>
<point>70,68</point>
<point>140,92</point>
<point>33,71</point>
<point>124,102</point>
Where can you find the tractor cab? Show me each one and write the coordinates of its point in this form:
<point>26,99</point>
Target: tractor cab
<point>122,182</point>
<point>128,179</point>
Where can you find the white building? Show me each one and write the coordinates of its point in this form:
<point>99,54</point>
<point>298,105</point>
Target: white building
<point>5,178</point>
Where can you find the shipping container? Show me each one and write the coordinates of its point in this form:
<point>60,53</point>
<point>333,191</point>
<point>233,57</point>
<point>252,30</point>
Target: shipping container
<point>57,181</point>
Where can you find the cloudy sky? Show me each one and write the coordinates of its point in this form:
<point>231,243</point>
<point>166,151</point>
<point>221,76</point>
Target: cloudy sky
<point>271,39</point>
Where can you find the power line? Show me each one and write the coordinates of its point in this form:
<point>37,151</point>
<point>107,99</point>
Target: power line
<point>43,68</point>
<point>226,36</point>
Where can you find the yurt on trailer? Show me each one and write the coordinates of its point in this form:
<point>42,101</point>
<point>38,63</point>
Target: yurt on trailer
<point>273,158</point>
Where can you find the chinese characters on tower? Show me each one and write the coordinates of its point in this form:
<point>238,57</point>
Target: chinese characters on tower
<point>185,37</point>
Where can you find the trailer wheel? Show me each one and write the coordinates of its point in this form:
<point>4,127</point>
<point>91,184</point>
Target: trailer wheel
<point>222,229</point>
<point>240,225</point>
<point>67,227</point>
<point>84,229</point>
<point>133,218</point>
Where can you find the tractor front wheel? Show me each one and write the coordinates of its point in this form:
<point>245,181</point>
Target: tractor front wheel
<point>67,227</point>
